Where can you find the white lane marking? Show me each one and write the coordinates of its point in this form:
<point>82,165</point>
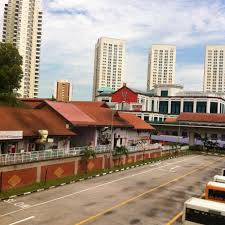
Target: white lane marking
<point>20,221</point>
<point>174,167</point>
<point>13,201</point>
<point>95,187</point>
<point>155,164</point>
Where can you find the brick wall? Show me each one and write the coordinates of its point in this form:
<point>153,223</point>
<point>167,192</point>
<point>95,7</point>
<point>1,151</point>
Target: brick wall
<point>93,164</point>
<point>27,174</point>
<point>55,171</point>
<point>18,178</point>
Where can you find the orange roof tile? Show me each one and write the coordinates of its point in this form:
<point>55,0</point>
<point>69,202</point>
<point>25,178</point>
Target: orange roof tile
<point>71,113</point>
<point>202,117</point>
<point>135,121</point>
<point>170,120</point>
<point>101,113</point>
<point>32,120</point>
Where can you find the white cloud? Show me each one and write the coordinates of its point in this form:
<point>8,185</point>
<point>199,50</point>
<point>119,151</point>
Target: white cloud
<point>191,76</point>
<point>71,29</point>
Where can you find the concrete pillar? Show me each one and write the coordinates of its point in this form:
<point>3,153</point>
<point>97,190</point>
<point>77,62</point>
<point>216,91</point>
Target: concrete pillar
<point>95,136</point>
<point>218,108</point>
<point>38,174</point>
<point>208,106</point>
<point>195,106</point>
<point>75,166</point>
<point>156,104</point>
<point>181,105</point>
<point>191,138</point>
<point>169,106</point>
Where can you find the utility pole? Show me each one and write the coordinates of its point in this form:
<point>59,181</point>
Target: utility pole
<point>112,143</point>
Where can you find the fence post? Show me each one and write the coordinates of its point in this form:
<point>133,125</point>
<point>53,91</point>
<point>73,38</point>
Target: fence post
<point>46,172</point>
<point>1,182</point>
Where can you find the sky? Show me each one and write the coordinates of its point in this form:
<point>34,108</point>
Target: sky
<point>71,29</point>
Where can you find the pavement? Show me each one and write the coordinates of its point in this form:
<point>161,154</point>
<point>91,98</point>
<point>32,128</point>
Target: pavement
<point>153,195</point>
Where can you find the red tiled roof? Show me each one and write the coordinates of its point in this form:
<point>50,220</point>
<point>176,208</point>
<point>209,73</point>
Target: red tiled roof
<point>96,114</point>
<point>135,121</point>
<point>33,102</point>
<point>32,120</point>
<point>71,113</point>
<point>101,114</point>
<point>171,120</point>
<point>90,103</point>
<point>202,117</point>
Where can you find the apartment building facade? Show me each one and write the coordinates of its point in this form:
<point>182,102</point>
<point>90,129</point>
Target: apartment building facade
<point>108,64</point>
<point>161,65</point>
<point>214,71</point>
<point>22,27</point>
<point>63,91</point>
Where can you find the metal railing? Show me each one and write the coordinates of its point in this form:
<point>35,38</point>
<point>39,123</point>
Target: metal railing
<point>16,158</point>
<point>25,157</point>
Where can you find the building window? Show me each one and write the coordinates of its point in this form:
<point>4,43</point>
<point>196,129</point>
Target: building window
<point>201,107</point>
<point>152,105</point>
<point>188,107</point>
<point>146,118</point>
<point>164,93</point>
<point>163,107</point>
<point>175,107</point>
<point>213,107</point>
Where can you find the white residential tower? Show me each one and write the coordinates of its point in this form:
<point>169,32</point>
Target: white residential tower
<point>214,71</point>
<point>22,26</point>
<point>108,64</point>
<point>161,65</point>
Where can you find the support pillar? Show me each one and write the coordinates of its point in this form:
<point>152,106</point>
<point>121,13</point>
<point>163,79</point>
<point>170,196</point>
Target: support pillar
<point>191,138</point>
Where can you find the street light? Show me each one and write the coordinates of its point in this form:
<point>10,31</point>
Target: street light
<point>112,143</point>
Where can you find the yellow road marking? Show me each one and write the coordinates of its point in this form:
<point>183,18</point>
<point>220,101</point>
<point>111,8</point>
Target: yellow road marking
<point>142,194</point>
<point>180,214</point>
<point>175,218</point>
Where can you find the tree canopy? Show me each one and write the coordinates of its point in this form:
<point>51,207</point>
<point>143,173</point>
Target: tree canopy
<point>10,68</point>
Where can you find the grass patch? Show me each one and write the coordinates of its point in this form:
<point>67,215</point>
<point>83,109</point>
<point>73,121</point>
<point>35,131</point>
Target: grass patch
<point>75,178</point>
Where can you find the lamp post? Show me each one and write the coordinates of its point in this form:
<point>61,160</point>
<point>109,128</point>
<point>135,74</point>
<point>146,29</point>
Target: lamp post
<point>112,143</point>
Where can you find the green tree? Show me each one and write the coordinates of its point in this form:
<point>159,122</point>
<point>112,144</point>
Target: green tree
<point>87,154</point>
<point>10,69</point>
<point>119,152</point>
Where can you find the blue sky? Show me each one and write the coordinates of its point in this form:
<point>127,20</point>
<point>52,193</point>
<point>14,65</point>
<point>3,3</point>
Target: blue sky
<point>72,27</point>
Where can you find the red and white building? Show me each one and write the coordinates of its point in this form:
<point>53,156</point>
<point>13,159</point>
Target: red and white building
<point>162,102</point>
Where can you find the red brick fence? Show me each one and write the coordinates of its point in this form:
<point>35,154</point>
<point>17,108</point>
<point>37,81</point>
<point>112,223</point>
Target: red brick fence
<point>15,176</point>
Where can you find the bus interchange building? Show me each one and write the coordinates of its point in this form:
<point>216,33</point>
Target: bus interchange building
<point>162,102</point>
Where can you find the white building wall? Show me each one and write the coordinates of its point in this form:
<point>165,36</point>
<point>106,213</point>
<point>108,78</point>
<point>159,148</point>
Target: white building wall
<point>22,26</point>
<point>214,71</point>
<point>161,65</point>
<point>108,64</point>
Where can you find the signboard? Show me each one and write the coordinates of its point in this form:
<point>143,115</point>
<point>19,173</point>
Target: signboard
<point>11,135</point>
<point>136,107</point>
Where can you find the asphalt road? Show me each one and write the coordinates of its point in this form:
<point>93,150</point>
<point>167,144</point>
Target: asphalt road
<point>150,195</point>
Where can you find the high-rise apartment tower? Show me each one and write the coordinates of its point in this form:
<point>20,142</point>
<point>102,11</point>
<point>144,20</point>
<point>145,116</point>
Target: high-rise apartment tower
<point>214,71</point>
<point>63,91</point>
<point>109,64</point>
<point>161,65</point>
<point>22,26</point>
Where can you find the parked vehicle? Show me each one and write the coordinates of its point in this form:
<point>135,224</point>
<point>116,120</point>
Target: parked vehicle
<point>215,191</point>
<point>219,179</point>
<point>200,211</point>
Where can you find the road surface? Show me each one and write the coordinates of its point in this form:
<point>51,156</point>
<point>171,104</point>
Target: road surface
<point>151,194</point>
